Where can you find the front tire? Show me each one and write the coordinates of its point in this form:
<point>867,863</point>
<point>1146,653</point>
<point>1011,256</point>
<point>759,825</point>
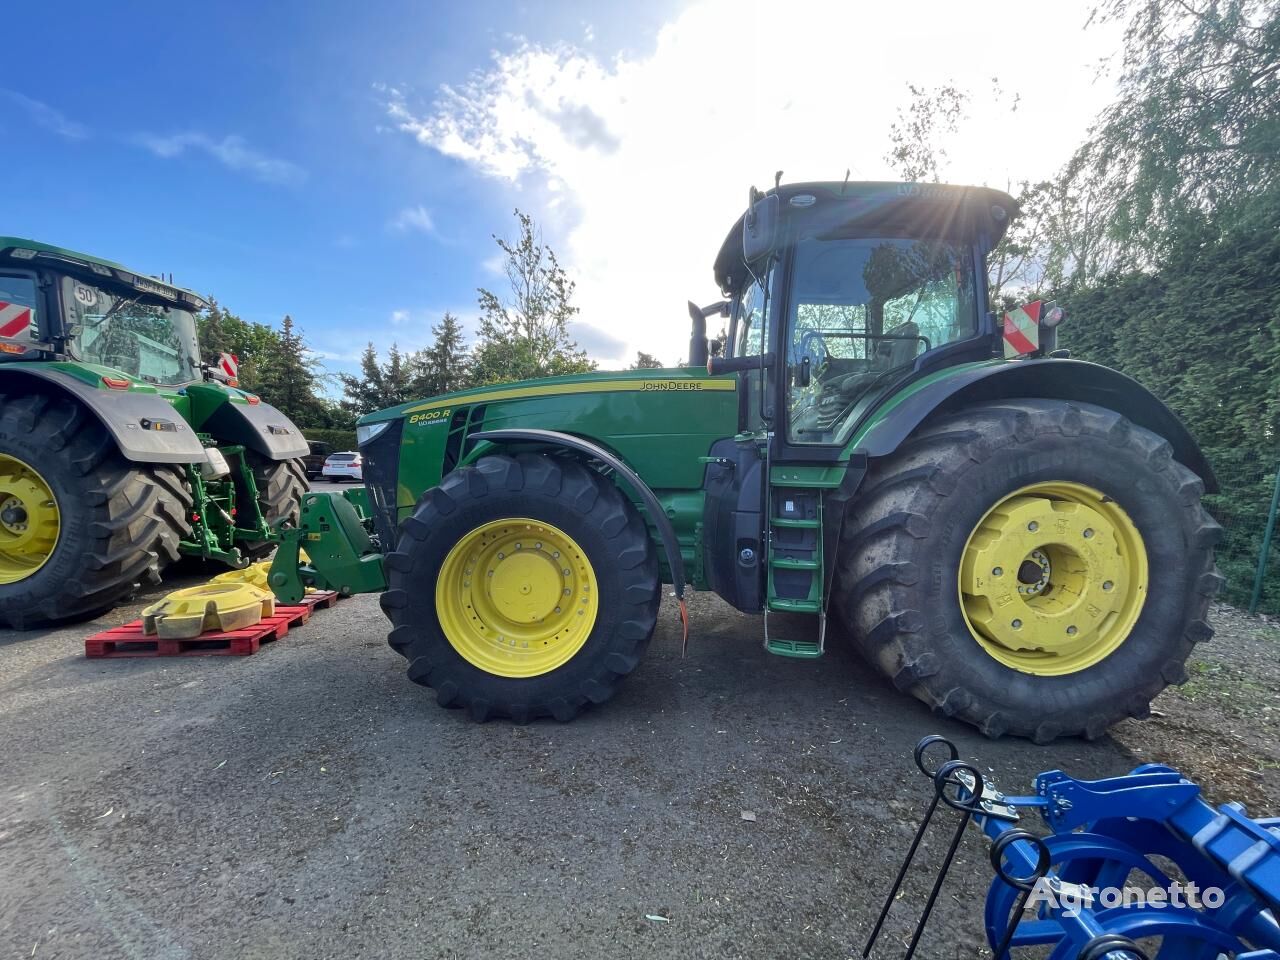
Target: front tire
<point>80,526</point>
<point>1032,567</point>
<point>522,587</point>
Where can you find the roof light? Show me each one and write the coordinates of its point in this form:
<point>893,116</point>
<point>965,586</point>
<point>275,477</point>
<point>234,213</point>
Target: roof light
<point>116,383</point>
<point>23,254</point>
<point>1053,317</point>
<point>252,399</point>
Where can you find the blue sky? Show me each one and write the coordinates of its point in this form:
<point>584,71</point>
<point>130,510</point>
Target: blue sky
<point>347,162</point>
<point>117,118</point>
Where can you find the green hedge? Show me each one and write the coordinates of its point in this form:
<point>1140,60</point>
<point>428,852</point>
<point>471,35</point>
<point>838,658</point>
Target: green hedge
<point>338,439</point>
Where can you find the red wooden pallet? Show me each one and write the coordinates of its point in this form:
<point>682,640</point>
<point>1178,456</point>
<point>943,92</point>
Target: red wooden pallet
<point>130,640</point>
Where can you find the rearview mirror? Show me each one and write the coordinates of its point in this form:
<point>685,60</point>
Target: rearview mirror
<point>760,226</point>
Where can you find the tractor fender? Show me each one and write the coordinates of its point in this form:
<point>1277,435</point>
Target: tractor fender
<point>121,413</point>
<point>567,441</point>
<point>259,427</point>
<point>1049,378</point>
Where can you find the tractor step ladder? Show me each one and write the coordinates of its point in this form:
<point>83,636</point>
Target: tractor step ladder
<point>793,547</point>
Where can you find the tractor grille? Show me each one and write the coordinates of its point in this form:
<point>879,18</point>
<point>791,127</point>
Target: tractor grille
<point>381,468</point>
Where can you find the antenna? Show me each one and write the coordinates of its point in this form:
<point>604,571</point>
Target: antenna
<point>777,180</point>
<point>846,181</point>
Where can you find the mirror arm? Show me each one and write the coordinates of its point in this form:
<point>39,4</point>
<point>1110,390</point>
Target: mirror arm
<point>718,365</point>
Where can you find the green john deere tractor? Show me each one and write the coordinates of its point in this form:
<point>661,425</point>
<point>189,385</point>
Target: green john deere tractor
<point>1014,537</point>
<point>120,451</point>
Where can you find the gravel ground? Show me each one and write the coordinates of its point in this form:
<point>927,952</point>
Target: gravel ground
<point>310,802</point>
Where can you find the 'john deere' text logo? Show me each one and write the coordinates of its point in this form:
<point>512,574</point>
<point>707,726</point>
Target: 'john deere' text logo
<point>671,385</point>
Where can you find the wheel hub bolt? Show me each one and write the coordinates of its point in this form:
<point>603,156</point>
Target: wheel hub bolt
<point>1088,533</point>
<point>1071,631</point>
<point>1107,585</point>
<point>1033,526</point>
<point>1017,624</point>
<point>998,572</point>
<point>13,516</point>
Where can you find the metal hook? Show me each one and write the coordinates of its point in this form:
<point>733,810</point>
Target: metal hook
<point>922,748</point>
<point>1024,884</point>
<point>947,776</point>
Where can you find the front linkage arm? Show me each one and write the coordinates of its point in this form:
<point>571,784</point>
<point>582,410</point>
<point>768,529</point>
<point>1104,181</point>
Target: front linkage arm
<point>341,554</point>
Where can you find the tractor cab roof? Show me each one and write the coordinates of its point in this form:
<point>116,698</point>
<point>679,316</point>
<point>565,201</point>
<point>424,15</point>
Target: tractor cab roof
<point>980,214</point>
<point>19,252</point>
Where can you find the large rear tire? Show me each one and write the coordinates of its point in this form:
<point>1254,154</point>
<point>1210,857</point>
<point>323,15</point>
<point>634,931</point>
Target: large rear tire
<point>281,484</point>
<point>82,526</point>
<point>522,587</point>
<point>1032,567</point>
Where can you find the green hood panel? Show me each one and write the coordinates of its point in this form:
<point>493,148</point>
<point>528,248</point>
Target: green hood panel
<point>659,421</point>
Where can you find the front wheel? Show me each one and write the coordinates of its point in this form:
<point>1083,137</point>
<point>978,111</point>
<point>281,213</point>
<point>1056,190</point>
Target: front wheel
<point>80,526</point>
<point>1033,567</point>
<point>522,587</point>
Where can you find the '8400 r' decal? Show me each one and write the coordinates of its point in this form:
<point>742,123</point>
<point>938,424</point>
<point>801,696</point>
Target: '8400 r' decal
<point>430,416</point>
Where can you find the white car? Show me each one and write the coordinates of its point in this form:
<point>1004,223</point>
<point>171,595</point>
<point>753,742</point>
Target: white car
<point>343,466</point>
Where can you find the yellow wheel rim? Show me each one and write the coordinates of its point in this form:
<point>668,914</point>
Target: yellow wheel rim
<point>1053,578</point>
<point>29,520</point>
<point>517,597</point>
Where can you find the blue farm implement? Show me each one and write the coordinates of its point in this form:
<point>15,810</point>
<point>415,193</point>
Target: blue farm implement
<point>1137,867</point>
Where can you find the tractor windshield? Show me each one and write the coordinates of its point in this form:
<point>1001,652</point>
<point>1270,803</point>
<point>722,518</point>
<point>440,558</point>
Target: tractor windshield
<point>132,332</point>
<point>861,310</point>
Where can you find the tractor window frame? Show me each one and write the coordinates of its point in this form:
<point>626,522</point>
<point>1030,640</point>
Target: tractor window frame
<point>976,345</point>
<point>752,393</point>
<point>39,306</point>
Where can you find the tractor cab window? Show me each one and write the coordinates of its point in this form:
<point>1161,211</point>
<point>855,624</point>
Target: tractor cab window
<point>18,310</point>
<point>862,310</point>
<point>132,332</point>
<point>753,316</point>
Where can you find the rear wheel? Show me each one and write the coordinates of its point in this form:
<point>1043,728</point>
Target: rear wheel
<point>1033,567</point>
<point>281,484</point>
<point>80,526</point>
<point>522,587</point>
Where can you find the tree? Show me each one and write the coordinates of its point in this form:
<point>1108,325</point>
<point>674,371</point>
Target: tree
<point>645,361</point>
<point>256,344</point>
<point>290,381</point>
<point>1194,135</point>
<point>444,366</point>
<point>379,385</point>
<point>362,394</point>
<point>918,150</point>
<point>526,333</point>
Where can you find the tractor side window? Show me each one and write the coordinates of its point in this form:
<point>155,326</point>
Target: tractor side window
<point>863,309</point>
<point>755,312</point>
<point>18,314</point>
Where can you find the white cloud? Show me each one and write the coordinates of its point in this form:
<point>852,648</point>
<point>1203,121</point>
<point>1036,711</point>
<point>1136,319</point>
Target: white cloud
<point>231,151</point>
<point>48,117</point>
<point>399,317</point>
<point>414,218</point>
<point>637,166</point>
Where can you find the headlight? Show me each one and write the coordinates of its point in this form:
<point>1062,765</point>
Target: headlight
<point>367,432</point>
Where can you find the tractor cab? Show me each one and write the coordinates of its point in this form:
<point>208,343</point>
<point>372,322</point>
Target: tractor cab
<point>59,305</point>
<point>839,294</point>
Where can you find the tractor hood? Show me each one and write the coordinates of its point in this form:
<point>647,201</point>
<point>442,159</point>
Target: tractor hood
<point>688,379</point>
<point>657,421</point>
